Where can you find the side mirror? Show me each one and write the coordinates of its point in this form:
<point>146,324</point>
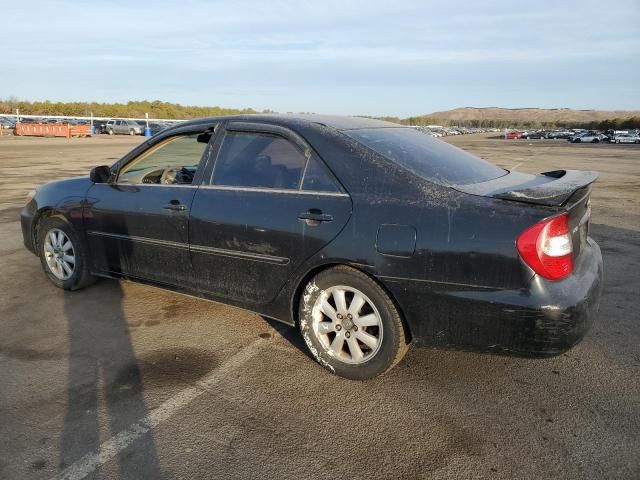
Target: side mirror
<point>100,174</point>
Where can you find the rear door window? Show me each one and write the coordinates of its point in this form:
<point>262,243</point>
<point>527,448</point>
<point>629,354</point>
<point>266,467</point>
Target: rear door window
<point>249,159</point>
<point>427,157</point>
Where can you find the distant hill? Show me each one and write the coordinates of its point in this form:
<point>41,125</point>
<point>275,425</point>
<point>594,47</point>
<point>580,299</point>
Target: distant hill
<point>504,117</point>
<point>464,117</point>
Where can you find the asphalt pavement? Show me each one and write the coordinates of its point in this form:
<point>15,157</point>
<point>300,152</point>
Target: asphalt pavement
<point>127,381</point>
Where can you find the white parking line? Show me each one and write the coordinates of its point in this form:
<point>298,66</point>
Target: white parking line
<point>112,447</point>
<point>516,166</point>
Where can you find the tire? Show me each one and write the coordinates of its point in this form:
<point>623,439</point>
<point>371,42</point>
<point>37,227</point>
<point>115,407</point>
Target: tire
<point>577,140</point>
<point>617,141</point>
<point>110,132</point>
<point>595,140</point>
<point>131,132</point>
<point>377,319</point>
<point>79,276</point>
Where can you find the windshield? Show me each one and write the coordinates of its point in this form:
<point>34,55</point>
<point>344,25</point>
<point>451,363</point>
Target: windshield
<point>426,156</point>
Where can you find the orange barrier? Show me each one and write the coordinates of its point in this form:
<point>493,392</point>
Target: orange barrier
<point>80,131</point>
<point>52,130</point>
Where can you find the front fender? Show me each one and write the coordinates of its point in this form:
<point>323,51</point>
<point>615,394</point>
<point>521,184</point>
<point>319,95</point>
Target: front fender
<point>62,197</point>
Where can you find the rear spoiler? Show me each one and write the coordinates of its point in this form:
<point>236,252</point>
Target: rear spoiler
<point>552,189</point>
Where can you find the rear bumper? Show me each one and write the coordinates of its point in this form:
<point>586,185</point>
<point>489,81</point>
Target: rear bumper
<point>546,319</point>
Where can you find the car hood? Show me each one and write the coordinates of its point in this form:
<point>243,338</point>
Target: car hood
<point>69,182</point>
<point>57,191</point>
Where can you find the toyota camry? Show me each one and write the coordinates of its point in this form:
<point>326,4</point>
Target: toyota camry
<point>365,235</point>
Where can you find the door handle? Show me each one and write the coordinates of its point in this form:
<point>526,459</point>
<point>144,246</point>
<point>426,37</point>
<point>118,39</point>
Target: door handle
<point>177,207</point>
<point>314,216</point>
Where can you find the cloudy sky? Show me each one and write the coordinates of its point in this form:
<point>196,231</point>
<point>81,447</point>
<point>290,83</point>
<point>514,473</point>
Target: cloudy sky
<point>345,57</point>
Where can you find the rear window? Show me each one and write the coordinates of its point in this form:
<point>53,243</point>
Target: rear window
<point>426,156</point>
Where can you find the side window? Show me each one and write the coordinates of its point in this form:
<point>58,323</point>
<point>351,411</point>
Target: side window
<point>318,179</point>
<point>258,160</point>
<point>171,162</point>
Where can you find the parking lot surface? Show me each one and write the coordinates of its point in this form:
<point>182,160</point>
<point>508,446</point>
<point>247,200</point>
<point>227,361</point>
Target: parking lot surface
<point>127,381</point>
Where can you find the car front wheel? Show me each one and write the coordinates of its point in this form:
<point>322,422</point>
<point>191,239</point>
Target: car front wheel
<point>63,254</point>
<point>350,324</point>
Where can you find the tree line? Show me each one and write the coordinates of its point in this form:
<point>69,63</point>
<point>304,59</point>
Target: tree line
<point>158,109</point>
<point>133,109</point>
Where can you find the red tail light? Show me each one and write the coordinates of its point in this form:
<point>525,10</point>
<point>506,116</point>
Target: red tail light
<point>547,248</point>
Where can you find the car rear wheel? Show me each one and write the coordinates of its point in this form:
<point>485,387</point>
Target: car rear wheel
<point>63,254</point>
<point>350,324</point>
<point>595,140</point>
<point>132,132</point>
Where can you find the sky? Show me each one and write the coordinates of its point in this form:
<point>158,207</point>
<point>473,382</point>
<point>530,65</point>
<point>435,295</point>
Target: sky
<point>396,58</point>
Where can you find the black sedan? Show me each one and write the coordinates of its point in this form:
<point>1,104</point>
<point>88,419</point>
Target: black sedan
<point>366,235</point>
<point>531,135</point>
<point>100,126</point>
<point>157,127</point>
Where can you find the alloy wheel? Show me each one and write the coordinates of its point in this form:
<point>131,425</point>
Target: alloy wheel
<point>59,254</point>
<point>347,324</point>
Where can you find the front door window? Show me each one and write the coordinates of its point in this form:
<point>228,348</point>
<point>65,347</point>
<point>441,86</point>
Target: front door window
<point>171,162</point>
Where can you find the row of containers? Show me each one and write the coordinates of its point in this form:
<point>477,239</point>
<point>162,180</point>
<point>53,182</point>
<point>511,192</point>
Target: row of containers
<point>52,130</point>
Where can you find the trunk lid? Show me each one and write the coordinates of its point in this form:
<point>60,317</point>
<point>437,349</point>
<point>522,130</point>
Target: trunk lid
<point>551,189</point>
<point>570,189</point>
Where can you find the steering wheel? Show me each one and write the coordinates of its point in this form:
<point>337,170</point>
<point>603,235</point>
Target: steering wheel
<point>169,176</point>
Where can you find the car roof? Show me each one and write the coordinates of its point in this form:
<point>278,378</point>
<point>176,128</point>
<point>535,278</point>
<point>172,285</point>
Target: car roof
<point>298,119</point>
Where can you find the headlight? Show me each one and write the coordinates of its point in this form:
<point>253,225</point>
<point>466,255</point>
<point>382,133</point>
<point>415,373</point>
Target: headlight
<point>30,195</point>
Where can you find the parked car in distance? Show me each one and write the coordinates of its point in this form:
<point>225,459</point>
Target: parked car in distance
<point>157,127</point>
<point>537,134</point>
<point>366,235</point>
<point>613,133</point>
<point>100,126</point>
<point>513,135</point>
<point>7,122</point>
<point>587,137</point>
<point>627,138</point>
<point>123,127</point>
<point>560,134</point>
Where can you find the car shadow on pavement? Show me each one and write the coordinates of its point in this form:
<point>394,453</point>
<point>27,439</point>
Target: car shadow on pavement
<point>290,334</point>
<point>105,390</point>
